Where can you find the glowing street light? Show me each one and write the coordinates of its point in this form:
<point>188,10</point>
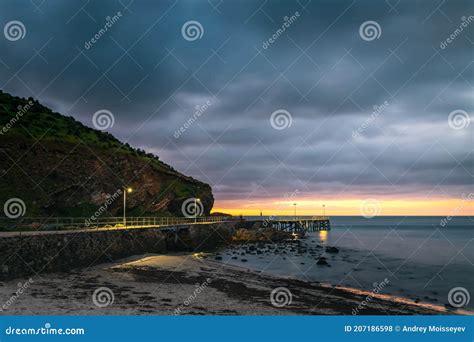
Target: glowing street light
<point>129,190</point>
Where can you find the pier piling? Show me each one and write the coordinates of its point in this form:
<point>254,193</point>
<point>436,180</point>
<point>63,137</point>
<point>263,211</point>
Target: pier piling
<point>301,224</point>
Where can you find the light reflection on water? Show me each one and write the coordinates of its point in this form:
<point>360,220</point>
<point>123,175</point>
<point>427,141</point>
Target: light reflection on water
<point>323,235</point>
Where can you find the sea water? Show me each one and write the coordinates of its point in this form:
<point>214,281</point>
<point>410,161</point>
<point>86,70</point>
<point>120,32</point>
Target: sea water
<point>422,258</point>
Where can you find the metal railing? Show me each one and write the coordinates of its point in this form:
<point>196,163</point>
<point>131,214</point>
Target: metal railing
<point>299,218</point>
<point>71,223</point>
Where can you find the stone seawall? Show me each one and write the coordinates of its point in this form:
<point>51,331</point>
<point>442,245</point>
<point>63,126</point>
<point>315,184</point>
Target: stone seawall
<point>30,254</point>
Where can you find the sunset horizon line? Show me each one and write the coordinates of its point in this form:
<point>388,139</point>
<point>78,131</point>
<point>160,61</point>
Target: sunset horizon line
<point>368,207</point>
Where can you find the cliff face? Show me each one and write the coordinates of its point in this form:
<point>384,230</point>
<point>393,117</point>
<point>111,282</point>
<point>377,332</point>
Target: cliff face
<point>60,167</point>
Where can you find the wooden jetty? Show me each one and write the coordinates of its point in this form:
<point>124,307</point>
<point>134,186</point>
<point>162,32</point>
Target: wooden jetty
<point>303,224</point>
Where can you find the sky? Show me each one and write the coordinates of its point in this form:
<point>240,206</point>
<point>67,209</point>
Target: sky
<point>362,106</point>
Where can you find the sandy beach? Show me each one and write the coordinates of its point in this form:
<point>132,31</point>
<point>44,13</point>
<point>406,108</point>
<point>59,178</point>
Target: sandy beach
<point>187,284</point>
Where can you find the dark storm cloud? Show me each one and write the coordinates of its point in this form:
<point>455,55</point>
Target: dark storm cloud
<point>319,69</point>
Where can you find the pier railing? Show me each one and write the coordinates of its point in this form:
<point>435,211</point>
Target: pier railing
<point>71,223</point>
<point>299,218</point>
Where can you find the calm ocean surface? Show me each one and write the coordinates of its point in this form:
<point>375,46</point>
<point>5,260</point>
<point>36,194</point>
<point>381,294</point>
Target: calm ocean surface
<point>422,259</point>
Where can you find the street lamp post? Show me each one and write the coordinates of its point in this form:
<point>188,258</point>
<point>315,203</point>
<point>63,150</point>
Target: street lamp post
<point>125,190</point>
<point>294,204</point>
<point>196,200</point>
<point>324,210</point>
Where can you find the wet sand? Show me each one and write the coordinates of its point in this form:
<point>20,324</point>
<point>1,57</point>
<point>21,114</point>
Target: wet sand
<point>187,284</point>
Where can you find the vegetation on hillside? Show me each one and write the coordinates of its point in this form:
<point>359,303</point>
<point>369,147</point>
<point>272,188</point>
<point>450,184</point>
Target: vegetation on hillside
<point>28,117</point>
<point>60,167</point>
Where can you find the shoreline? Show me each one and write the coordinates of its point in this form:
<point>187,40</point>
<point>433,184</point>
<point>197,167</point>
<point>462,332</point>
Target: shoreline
<point>186,284</point>
<point>367,259</point>
<point>347,292</point>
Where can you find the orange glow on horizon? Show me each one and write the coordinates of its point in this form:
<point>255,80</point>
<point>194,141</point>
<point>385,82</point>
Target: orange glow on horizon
<point>349,207</point>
